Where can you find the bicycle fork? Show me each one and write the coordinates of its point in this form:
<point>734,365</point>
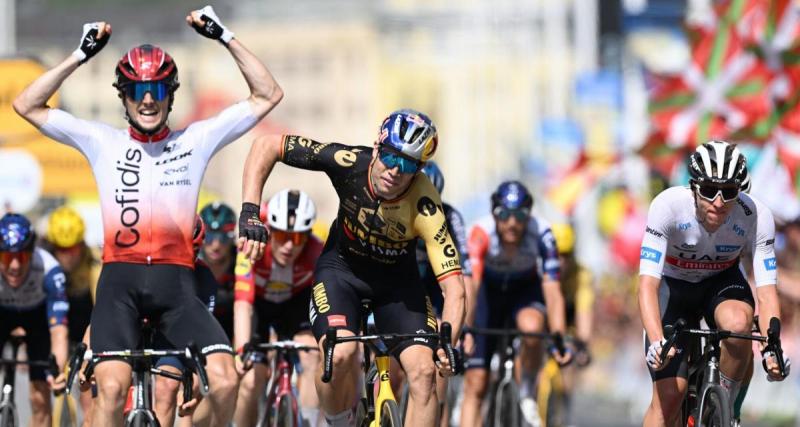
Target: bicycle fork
<point>384,387</point>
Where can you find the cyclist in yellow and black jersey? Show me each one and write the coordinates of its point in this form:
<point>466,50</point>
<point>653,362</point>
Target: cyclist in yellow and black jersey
<point>385,205</point>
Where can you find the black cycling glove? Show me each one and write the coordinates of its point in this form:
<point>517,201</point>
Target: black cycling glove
<point>250,225</point>
<point>213,27</point>
<point>90,44</point>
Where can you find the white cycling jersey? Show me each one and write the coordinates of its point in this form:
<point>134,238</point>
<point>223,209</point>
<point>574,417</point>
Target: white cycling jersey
<point>149,188</point>
<point>676,245</point>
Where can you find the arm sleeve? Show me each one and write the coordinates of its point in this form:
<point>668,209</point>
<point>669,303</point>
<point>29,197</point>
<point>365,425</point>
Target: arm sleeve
<point>458,231</point>
<point>765,265</point>
<point>67,129</point>
<point>227,126</point>
<point>245,287</point>
<point>551,266</point>
<point>654,242</point>
<point>57,304</point>
<point>431,226</point>
<point>308,154</point>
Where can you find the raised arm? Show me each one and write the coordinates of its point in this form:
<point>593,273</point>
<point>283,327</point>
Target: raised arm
<point>264,152</point>
<point>264,90</point>
<point>31,104</point>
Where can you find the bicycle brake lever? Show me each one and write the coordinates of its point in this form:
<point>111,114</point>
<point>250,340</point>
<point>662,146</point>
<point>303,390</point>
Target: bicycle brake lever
<point>672,331</point>
<point>330,343</point>
<point>188,384</point>
<point>446,344</point>
<point>75,365</point>
<point>199,362</point>
<point>774,343</point>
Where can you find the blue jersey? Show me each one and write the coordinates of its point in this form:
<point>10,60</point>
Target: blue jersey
<point>45,284</point>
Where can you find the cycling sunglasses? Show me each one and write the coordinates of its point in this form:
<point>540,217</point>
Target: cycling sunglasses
<point>137,90</point>
<point>6,257</point>
<point>282,237</point>
<point>225,237</point>
<point>503,214</point>
<point>710,192</point>
<point>392,159</point>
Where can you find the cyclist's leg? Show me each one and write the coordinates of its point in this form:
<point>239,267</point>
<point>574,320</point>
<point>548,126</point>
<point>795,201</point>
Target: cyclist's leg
<point>254,381</point>
<point>187,319</point>
<point>730,306</point>
<point>476,377</point>
<point>166,389</point>
<point>37,344</point>
<point>335,302</point>
<point>677,299</point>
<point>529,318</point>
<point>476,380</point>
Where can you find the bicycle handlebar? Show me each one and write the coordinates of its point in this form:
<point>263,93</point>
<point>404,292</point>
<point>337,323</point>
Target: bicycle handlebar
<point>774,344</point>
<point>673,331</point>
<point>74,365</point>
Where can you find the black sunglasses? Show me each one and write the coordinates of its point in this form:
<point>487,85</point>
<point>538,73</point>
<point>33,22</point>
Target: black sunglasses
<point>710,192</point>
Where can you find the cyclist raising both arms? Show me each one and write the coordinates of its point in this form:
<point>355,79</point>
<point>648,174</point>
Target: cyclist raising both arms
<point>515,266</point>
<point>277,289</point>
<point>384,205</point>
<point>691,268</point>
<point>148,177</point>
<point>32,297</point>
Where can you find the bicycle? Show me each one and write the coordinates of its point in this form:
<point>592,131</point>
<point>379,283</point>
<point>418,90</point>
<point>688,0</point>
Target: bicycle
<point>381,409</point>
<point>282,407</point>
<point>552,395</point>
<point>504,398</point>
<point>707,402</point>
<point>9,416</point>
<point>142,413</point>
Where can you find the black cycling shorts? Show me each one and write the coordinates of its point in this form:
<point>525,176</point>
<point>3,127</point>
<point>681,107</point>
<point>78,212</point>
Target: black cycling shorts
<point>496,310</point>
<point>399,301</point>
<point>166,294</point>
<point>37,334</point>
<point>286,318</point>
<point>679,299</point>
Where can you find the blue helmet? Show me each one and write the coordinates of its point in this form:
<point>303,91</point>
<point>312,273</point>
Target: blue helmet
<point>411,133</point>
<point>432,171</point>
<point>16,233</point>
<point>512,195</point>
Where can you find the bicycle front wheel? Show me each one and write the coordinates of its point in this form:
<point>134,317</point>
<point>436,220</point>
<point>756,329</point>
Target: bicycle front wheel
<point>506,406</point>
<point>715,409</point>
<point>390,414</point>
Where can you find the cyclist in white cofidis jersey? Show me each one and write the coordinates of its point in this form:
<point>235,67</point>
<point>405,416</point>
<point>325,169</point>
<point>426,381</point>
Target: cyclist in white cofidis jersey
<point>148,177</point>
<point>691,268</point>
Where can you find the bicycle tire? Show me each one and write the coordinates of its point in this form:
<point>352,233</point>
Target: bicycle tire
<point>8,416</point>
<point>390,414</point>
<point>142,420</point>
<point>507,412</point>
<point>714,408</point>
<point>362,413</point>
<point>283,413</point>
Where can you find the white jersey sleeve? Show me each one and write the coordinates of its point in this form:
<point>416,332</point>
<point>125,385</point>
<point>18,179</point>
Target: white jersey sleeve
<point>82,134</point>
<point>224,128</point>
<point>765,267</point>
<point>654,242</point>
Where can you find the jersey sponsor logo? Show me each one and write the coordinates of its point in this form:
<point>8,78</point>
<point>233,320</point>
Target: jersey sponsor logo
<point>312,312</point>
<point>320,298</point>
<point>728,248</point>
<point>242,286</point>
<point>684,226</point>
<point>127,198</point>
<point>345,158</point>
<point>174,158</point>
<point>700,265</point>
<point>449,264</point>
<point>771,264</point>
<point>745,208</point>
<point>426,206</point>
<point>173,171</point>
<point>650,254</point>
<point>60,306</point>
<point>769,242</point>
<point>372,238</point>
<point>215,348</point>
<point>337,320</point>
<point>440,234</point>
<point>449,251</point>
<point>654,232</point>
<point>293,141</point>
<point>738,230</point>
<point>175,182</point>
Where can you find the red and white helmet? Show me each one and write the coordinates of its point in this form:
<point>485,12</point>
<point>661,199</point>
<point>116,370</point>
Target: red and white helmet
<point>146,63</point>
<point>291,210</point>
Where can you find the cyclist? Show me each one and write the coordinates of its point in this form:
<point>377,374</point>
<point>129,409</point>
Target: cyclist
<point>219,253</point>
<point>32,297</point>
<point>65,241</point>
<point>578,290</point>
<point>384,206</point>
<point>148,177</point>
<point>515,266</point>
<point>275,292</point>
<point>691,260</point>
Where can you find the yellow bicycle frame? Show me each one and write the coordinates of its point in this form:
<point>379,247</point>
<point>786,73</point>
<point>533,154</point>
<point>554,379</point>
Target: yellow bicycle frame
<point>550,384</point>
<point>384,388</point>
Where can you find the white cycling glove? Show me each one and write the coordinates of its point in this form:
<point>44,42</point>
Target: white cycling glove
<point>213,27</point>
<point>90,44</point>
<point>653,352</point>
<point>770,354</point>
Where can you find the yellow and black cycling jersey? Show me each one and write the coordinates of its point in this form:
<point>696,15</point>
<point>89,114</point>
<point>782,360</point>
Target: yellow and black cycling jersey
<point>369,230</point>
<point>577,287</point>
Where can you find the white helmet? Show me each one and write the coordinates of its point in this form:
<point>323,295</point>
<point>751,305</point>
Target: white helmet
<point>291,204</point>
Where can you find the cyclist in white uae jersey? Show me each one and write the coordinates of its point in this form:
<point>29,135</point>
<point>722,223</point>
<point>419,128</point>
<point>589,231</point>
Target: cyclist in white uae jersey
<point>695,244</point>
<point>148,177</point>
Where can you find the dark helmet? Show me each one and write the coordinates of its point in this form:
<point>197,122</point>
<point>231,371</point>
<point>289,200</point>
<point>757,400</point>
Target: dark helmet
<point>146,63</point>
<point>719,162</point>
<point>16,233</point>
<point>512,195</point>
<point>432,171</point>
<point>218,217</point>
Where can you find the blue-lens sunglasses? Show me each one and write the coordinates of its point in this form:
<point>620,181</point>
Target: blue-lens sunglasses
<point>136,91</point>
<point>392,159</point>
